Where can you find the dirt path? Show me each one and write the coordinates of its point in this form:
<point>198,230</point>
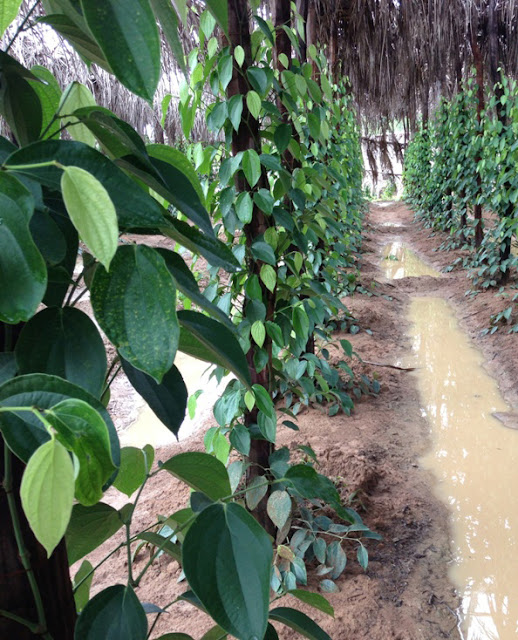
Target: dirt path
<point>405,594</point>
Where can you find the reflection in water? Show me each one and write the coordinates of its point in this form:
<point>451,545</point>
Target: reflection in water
<point>400,262</point>
<point>148,429</point>
<point>476,461</point>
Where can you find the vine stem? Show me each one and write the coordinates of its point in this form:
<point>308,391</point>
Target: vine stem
<point>22,549</point>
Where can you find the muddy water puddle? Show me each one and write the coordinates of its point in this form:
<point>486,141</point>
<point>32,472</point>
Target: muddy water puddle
<point>401,262</point>
<point>148,429</point>
<point>475,459</point>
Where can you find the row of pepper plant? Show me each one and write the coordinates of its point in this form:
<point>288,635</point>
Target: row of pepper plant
<point>275,212</point>
<point>460,161</point>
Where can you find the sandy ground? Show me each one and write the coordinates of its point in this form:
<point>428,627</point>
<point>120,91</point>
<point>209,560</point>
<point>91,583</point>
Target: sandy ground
<point>405,593</point>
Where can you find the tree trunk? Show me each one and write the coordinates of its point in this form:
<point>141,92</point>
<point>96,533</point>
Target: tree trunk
<point>247,137</point>
<point>52,574</point>
<point>479,67</point>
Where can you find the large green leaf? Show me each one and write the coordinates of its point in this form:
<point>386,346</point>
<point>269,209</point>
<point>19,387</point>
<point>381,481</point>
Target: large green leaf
<point>22,431</point>
<point>19,102</point>
<point>82,430</point>
<point>167,400</point>
<point>299,622</point>
<point>49,93</point>
<point>114,614</point>
<point>135,304</point>
<point>76,96</point>
<point>202,472</point>
<point>47,493</point>
<point>72,348</point>
<point>91,210</point>
<point>8,12</point>
<point>166,15</point>
<point>135,208</point>
<point>186,283</point>
<point>227,560</point>
<point>220,11</point>
<point>78,37</point>
<point>128,36</point>
<point>89,527</point>
<point>22,268</point>
<point>132,470</point>
<point>204,338</point>
<point>216,253</point>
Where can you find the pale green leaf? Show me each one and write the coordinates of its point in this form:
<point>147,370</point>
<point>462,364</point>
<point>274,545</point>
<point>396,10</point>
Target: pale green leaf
<point>268,276</point>
<point>253,102</point>
<point>76,96</point>
<point>8,12</point>
<point>258,332</point>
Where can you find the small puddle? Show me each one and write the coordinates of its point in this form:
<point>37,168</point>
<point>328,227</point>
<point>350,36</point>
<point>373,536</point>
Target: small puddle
<point>401,262</point>
<point>147,429</point>
<point>475,459</point>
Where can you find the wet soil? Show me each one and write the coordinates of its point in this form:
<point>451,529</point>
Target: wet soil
<point>405,593</point>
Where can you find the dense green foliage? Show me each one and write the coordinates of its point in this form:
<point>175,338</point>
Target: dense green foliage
<point>278,224</point>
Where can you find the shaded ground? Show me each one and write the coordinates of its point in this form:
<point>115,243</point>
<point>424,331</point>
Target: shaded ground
<point>405,594</point>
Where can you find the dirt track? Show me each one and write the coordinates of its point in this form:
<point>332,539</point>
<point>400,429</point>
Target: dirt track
<point>405,594</point>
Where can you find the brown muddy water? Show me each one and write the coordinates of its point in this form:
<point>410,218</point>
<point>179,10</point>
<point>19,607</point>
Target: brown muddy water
<point>475,459</point>
<point>401,262</point>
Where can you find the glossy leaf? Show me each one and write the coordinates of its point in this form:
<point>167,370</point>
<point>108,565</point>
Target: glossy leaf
<point>114,613</point>
<point>89,527</point>
<point>209,340</point>
<point>220,11</point>
<point>251,166</point>
<point>72,349</point>
<point>200,471</point>
<point>132,470</point>
<point>23,432</point>
<point>167,400</point>
<point>299,622</point>
<point>135,208</point>
<point>49,93</point>
<point>81,429</point>
<point>227,558</point>
<point>128,37</point>
<point>47,493</point>
<point>25,275</point>
<point>135,305</point>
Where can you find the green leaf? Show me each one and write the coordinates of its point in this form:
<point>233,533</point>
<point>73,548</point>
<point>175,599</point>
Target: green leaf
<point>300,322</point>
<point>8,366</point>
<point>251,165</point>
<point>363,557</point>
<point>89,527</point>
<point>336,558</point>
<point>264,401</point>
<point>135,208</point>
<point>215,251</point>
<point>227,559</point>
<point>328,586</point>
<point>158,540</point>
<point>220,11</point>
<point>258,79</point>
<point>299,622</point>
<point>132,470</point>
<point>24,432</point>
<point>279,508</point>
<point>282,136</point>
<point>202,472</point>
<point>47,493</point>
<point>49,93</point>
<point>235,110</point>
<point>81,429</point>
<point>73,348</point>
<point>310,484</point>
<point>76,96</point>
<point>244,207</point>
<point>114,613</point>
<point>258,332</point>
<point>92,212</point>
<point>8,12</point>
<point>253,102</point>
<point>263,251</point>
<point>166,15</point>
<point>135,305</point>
<point>240,439</point>
<point>19,102</point>
<point>239,55</point>
<point>211,341</point>
<point>167,400</point>
<point>128,37</point>
<point>256,490</point>
<point>269,276</point>
<point>24,274</point>
<point>82,593</point>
